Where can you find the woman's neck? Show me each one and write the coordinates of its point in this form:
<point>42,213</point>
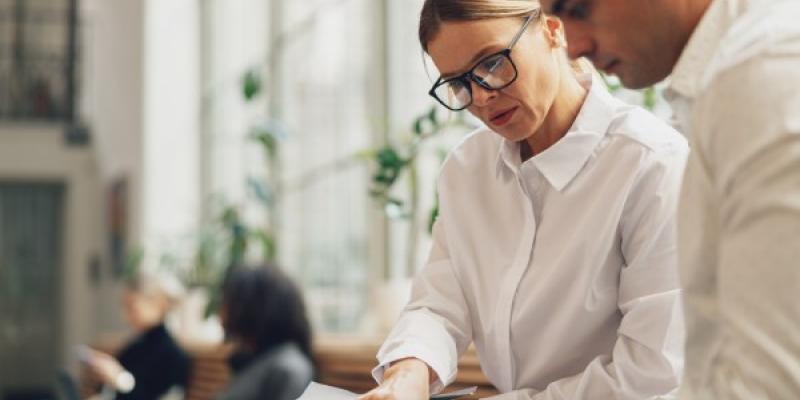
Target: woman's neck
<point>561,116</point>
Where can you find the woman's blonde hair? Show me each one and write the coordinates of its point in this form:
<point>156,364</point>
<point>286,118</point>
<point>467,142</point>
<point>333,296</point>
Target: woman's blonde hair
<point>434,12</point>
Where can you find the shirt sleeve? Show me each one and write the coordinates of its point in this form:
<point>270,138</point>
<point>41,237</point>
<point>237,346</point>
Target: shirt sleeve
<point>751,148</point>
<point>646,361</point>
<point>435,325</point>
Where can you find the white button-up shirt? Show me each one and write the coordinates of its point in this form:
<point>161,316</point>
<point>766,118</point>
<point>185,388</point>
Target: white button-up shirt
<point>737,90</point>
<point>563,269</point>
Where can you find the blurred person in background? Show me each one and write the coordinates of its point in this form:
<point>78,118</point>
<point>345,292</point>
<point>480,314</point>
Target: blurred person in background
<point>264,317</point>
<point>151,364</point>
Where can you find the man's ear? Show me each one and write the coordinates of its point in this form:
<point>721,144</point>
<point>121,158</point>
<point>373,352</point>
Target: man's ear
<point>554,31</point>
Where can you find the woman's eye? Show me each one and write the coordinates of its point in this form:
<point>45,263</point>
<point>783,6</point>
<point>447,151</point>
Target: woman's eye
<point>492,64</point>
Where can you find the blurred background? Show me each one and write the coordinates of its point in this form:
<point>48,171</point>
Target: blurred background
<point>183,136</point>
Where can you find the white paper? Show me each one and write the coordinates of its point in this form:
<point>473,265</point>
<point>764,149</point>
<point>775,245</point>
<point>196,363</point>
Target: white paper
<point>316,391</point>
<point>454,395</point>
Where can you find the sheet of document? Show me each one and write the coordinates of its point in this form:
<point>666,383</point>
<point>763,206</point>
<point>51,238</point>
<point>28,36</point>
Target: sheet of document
<point>457,394</point>
<point>316,391</point>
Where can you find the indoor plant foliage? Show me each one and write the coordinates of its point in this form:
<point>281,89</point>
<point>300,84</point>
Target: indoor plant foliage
<point>395,181</point>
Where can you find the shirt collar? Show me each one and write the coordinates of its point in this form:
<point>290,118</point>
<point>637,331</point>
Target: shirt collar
<point>688,74</point>
<point>562,161</point>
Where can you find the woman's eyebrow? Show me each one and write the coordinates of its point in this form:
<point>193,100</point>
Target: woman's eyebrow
<point>477,57</point>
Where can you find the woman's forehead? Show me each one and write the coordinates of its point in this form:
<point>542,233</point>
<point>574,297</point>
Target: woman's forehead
<point>458,45</point>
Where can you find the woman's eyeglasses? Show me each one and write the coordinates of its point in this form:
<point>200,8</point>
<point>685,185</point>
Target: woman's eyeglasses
<point>493,72</point>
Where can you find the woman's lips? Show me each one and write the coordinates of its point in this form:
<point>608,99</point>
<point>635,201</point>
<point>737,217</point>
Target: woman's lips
<point>503,117</point>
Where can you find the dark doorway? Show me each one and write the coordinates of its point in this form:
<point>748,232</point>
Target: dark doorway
<point>31,226</point>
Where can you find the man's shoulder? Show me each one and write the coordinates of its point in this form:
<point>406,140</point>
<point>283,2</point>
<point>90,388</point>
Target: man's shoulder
<point>767,33</point>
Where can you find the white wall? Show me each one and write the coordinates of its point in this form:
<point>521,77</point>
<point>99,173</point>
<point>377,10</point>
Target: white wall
<point>171,120</point>
<point>112,103</point>
<point>113,92</point>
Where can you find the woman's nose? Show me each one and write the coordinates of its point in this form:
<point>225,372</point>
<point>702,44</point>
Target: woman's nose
<point>482,96</point>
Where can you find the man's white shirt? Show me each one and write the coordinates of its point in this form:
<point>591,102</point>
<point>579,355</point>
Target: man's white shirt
<point>736,93</point>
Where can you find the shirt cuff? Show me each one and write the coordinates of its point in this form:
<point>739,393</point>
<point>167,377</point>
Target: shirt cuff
<point>437,362</point>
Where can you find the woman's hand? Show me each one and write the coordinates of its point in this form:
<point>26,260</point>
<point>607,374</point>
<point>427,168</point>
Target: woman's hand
<point>109,370</point>
<point>407,379</point>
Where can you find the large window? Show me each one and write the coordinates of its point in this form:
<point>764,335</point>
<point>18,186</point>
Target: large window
<point>338,77</point>
<point>327,96</point>
<point>37,59</point>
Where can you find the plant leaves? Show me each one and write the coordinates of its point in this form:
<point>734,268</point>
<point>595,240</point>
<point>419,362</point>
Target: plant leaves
<point>650,98</point>
<point>262,191</point>
<point>268,244</point>
<point>251,84</point>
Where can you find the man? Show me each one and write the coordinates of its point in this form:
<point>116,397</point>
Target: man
<point>735,90</point>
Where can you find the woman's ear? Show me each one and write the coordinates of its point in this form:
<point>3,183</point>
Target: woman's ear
<point>554,30</point>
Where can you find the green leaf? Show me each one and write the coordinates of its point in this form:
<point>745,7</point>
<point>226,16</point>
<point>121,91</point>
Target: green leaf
<point>432,217</point>
<point>432,117</point>
<point>268,135</point>
<point>132,264</point>
<point>238,246</point>
<point>417,128</point>
<point>268,244</point>
<point>385,176</point>
<point>251,84</point>
<point>650,98</point>
<point>230,217</point>
<point>389,157</point>
<point>262,191</point>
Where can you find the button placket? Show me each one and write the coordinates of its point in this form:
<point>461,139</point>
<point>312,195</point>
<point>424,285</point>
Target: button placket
<point>511,285</point>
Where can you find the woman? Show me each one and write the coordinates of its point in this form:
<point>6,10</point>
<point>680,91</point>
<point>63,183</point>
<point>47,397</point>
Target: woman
<point>152,363</point>
<point>554,252</point>
<point>264,316</point>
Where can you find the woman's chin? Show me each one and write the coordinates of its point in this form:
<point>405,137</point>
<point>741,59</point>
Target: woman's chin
<point>509,133</point>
